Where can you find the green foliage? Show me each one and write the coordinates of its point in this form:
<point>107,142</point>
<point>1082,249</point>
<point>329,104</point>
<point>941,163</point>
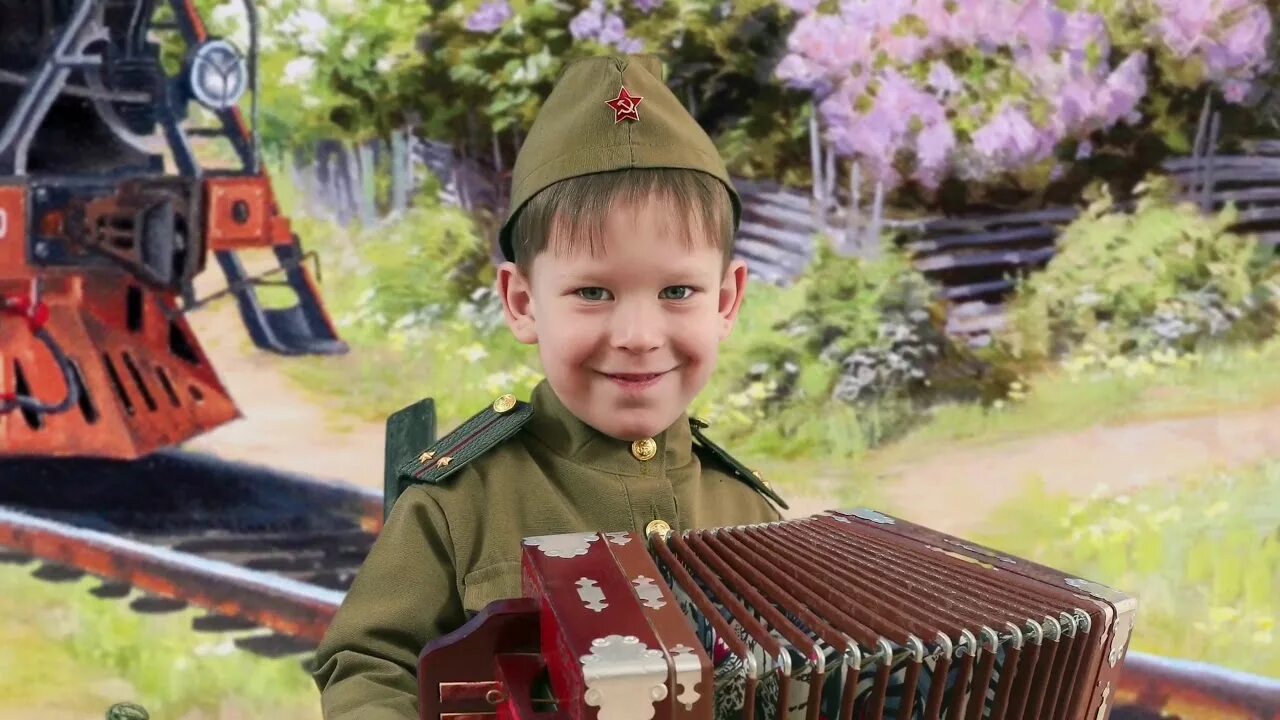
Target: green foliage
<point>1202,555</point>
<point>426,264</point>
<point>479,85</point>
<point>1165,276</point>
<point>329,68</point>
<point>56,631</point>
<point>858,343</point>
<point>339,69</point>
<point>412,297</point>
<point>848,298</point>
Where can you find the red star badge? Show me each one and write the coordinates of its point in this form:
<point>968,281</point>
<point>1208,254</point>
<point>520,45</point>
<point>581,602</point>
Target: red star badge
<point>625,106</point>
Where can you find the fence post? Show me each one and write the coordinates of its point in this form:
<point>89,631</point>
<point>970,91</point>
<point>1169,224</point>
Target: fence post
<point>815,168</point>
<point>853,224</point>
<point>366,190</point>
<point>872,245</point>
<point>1206,192</point>
<point>399,170</point>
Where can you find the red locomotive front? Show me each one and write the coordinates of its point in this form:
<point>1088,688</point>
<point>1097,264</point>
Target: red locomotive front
<point>107,216</point>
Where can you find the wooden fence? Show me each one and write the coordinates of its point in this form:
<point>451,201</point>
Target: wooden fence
<point>974,260</point>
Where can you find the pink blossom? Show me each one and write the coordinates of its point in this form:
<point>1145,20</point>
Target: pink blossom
<point>490,17</point>
<point>1041,26</point>
<point>1184,26</point>
<point>801,6</point>
<point>877,114</point>
<point>934,148</point>
<point>1125,87</point>
<point>1235,91</point>
<point>942,79</point>
<point>1008,140</point>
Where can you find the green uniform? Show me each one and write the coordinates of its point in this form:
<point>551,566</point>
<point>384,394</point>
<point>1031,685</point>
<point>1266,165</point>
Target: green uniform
<point>451,544</point>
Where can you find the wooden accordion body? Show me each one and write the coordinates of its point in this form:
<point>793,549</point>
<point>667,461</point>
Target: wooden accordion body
<point>847,615</point>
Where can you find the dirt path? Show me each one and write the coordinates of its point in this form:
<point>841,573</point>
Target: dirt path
<point>281,426</point>
<point>954,490</point>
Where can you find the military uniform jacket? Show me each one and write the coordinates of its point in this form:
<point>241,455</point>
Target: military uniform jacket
<point>451,544</point>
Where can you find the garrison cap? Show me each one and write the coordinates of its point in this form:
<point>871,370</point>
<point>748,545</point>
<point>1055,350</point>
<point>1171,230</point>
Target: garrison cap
<point>610,113</point>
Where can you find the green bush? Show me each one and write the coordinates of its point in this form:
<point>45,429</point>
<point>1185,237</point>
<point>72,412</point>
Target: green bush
<point>1164,277</point>
<point>861,345</point>
<point>1202,556</point>
<point>420,267</point>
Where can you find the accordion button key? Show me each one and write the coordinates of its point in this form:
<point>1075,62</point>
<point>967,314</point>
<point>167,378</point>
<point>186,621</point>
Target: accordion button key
<point>657,526</point>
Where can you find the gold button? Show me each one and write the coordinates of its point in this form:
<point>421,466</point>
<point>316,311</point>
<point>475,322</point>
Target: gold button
<point>657,526</point>
<point>504,403</point>
<point>644,449</point>
<point>424,457</point>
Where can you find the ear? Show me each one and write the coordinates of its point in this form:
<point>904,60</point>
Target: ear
<point>517,302</point>
<point>732,291</point>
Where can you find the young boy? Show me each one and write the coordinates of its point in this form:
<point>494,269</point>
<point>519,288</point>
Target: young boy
<point>620,268</point>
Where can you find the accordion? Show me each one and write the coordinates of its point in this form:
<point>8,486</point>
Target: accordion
<point>844,615</point>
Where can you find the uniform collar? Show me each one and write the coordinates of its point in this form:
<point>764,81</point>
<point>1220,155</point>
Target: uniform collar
<point>565,434</point>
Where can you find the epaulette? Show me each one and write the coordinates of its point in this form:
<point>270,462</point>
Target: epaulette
<point>740,471</point>
<point>473,438</point>
<point>408,429</point>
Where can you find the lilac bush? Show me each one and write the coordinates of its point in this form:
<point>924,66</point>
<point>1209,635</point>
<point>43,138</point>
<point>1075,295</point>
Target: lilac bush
<point>924,90</point>
<point>1228,37</point>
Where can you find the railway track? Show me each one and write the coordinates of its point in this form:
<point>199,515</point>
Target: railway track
<point>253,547</point>
<point>260,549</point>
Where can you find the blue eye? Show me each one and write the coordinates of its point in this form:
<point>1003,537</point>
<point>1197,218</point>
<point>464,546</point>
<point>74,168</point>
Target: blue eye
<point>593,293</point>
<point>682,292</point>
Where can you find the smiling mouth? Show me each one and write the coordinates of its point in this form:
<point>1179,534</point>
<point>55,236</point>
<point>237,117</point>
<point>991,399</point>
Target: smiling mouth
<point>635,377</point>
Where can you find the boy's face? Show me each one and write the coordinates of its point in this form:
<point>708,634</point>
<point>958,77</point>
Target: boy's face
<point>627,338</point>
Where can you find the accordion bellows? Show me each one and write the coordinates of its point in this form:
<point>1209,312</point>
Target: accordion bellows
<point>845,615</point>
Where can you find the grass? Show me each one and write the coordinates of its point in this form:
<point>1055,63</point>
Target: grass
<point>1202,555</point>
<point>69,653</point>
<point>1065,400</point>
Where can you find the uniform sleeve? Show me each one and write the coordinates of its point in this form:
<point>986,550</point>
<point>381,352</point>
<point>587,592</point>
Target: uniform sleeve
<point>404,595</point>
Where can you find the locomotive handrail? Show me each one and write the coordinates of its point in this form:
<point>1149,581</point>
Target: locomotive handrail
<point>254,280</point>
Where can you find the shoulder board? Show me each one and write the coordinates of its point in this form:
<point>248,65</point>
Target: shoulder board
<point>408,429</point>
<point>473,438</point>
<point>742,472</point>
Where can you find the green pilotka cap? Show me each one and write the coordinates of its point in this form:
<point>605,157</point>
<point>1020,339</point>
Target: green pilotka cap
<point>610,113</point>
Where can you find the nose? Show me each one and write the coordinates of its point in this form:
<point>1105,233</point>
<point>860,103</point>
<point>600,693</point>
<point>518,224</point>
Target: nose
<point>637,327</point>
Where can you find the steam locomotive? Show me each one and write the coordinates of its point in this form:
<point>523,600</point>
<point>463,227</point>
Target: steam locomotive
<point>107,215</point>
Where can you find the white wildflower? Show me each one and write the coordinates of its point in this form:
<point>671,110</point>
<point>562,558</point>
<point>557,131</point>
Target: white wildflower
<point>473,352</point>
<point>299,71</point>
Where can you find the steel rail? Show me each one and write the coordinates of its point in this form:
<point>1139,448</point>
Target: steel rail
<point>289,607</point>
